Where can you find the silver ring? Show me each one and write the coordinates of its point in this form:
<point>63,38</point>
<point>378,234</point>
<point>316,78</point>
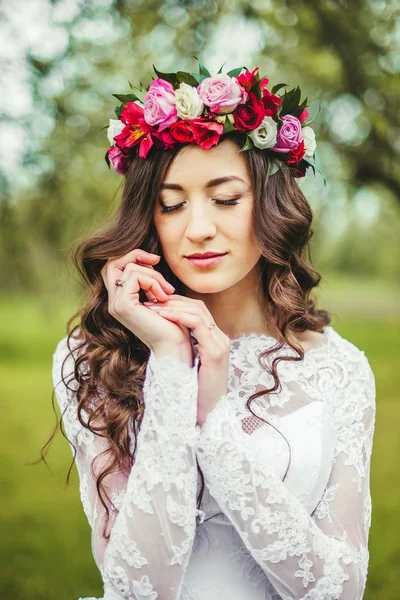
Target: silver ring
<point>119,283</point>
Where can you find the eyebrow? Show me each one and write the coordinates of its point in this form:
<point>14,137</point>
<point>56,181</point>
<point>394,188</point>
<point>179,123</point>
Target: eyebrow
<point>209,184</point>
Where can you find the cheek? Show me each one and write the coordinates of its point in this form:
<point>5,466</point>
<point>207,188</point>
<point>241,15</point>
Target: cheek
<point>166,232</point>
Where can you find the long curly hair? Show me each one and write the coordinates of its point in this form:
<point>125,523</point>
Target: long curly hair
<point>111,362</point>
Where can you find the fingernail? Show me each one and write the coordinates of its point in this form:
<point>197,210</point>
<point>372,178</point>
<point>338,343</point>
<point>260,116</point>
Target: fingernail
<point>171,286</point>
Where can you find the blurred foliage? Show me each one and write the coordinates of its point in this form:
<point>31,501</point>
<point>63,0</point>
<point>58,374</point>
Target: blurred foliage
<point>45,549</point>
<point>57,185</point>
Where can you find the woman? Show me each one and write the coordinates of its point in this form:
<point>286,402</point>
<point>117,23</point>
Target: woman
<point>223,429</point>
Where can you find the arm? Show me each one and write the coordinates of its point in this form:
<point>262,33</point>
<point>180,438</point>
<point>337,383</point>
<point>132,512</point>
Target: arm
<point>152,530</point>
<point>305,558</point>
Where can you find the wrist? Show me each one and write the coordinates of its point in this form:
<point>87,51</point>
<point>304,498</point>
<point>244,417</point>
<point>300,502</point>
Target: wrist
<point>182,353</point>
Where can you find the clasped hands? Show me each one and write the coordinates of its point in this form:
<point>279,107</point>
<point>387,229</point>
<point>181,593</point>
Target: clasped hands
<point>213,346</point>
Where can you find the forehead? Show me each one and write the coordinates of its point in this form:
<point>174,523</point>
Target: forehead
<point>194,167</point>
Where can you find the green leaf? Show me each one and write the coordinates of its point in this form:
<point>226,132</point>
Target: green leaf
<point>255,89</point>
<point>228,125</point>
<point>273,167</point>
<point>124,98</point>
<point>248,145</point>
<point>277,87</point>
<point>309,122</point>
<point>187,78</point>
<point>220,69</point>
<point>313,166</point>
<point>202,69</point>
<point>118,111</point>
<point>171,77</point>
<point>236,72</point>
<point>107,160</point>
<point>291,101</point>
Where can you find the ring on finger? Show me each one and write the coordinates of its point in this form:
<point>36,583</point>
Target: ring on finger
<point>120,282</point>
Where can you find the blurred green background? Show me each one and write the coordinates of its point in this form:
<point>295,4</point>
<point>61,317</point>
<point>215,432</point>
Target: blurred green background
<point>61,62</point>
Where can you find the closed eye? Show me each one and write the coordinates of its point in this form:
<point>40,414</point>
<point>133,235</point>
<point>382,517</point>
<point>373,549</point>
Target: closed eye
<point>230,202</point>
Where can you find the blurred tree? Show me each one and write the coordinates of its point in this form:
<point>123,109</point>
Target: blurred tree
<point>341,53</point>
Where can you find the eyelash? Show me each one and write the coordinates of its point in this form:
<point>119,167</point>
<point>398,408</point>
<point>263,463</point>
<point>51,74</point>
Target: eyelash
<point>231,202</point>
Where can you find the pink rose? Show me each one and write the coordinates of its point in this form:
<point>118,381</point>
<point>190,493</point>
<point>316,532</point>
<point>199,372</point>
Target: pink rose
<point>159,104</point>
<point>221,93</point>
<point>118,160</point>
<point>289,135</point>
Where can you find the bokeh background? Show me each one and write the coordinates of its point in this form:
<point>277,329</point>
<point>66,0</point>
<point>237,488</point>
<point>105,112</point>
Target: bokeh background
<point>61,61</point>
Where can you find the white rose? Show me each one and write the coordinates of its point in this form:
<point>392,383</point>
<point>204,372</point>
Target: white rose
<point>309,141</point>
<point>188,102</point>
<point>115,127</point>
<point>265,134</point>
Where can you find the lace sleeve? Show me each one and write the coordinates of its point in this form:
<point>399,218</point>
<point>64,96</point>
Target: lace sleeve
<point>319,557</point>
<point>152,528</point>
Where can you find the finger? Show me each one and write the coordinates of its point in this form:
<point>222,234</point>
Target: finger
<point>178,302</point>
<point>136,281</point>
<point>117,264</point>
<point>167,287</point>
<point>136,255</point>
<point>206,337</point>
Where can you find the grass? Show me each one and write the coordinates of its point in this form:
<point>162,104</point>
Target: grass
<point>45,549</point>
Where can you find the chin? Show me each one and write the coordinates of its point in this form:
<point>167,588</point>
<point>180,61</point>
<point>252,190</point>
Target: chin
<point>207,284</point>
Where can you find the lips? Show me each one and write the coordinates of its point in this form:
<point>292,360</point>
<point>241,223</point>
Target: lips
<point>211,259</point>
<point>206,255</point>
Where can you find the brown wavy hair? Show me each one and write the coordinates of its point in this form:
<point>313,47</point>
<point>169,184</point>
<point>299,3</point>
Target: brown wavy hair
<point>111,362</point>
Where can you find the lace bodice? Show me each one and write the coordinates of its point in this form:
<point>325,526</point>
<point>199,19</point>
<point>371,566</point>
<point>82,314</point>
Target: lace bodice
<point>259,535</point>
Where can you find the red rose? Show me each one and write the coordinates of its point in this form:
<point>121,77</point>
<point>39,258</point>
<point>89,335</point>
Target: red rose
<point>182,132</point>
<point>248,116</point>
<point>303,115</point>
<point>246,79</point>
<point>163,139</point>
<point>295,155</point>
<point>206,133</point>
<point>271,103</point>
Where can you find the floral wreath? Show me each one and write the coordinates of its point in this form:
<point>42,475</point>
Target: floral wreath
<point>199,108</point>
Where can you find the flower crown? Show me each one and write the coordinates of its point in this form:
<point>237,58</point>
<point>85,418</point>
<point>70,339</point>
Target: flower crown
<point>199,108</point>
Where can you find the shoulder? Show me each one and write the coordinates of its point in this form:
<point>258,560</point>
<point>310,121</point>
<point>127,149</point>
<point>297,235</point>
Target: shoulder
<point>357,371</point>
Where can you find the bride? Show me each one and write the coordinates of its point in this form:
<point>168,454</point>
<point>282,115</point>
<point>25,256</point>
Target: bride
<point>222,428</point>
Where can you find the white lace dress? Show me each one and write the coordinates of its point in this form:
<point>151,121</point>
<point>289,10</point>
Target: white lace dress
<point>302,538</point>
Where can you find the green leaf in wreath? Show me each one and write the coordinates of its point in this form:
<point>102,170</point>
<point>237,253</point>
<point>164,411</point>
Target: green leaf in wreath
<point>188,78</point>
<point>277,87</point>
<point>273,167</point>
<point>124,98</point>
<point>198,78</point>
<point>314,167</point>
<point>220,69</point>
<point>171,77</point>
<point>313,119</point>
<point>229,124</point>
<point>107,160</point>
<point>202,69</point>
<point>118,111</point>
<point>248,145</point>
<point>290,101</point>
<point>236,72</point>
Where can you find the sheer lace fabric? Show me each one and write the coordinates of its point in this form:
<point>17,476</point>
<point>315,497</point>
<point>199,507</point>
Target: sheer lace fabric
<point>256,536</point>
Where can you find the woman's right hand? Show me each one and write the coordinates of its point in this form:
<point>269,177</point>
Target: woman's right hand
<point>159,334</point>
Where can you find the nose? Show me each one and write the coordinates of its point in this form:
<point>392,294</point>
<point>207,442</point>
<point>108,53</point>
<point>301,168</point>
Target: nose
<point>200,224</point>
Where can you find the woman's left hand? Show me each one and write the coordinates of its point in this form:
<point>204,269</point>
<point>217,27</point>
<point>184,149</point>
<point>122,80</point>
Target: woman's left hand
<point>213,344</point>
